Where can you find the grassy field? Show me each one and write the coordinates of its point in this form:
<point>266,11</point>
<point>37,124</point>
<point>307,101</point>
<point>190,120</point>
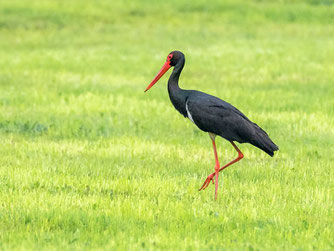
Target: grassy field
<point>87,160</point>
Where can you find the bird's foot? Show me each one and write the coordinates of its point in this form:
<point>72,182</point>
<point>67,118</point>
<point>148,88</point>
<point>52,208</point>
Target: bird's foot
<point>207,181</point>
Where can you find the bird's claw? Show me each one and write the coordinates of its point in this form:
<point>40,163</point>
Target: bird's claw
<point>207,181</point>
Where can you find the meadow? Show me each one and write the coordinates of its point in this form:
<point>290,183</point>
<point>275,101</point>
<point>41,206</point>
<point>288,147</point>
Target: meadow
<point>90,161</point>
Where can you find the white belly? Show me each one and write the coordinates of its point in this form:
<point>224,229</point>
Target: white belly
<point>189,114</point>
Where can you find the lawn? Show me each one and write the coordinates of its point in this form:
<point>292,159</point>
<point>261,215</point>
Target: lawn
<point>90,161</point>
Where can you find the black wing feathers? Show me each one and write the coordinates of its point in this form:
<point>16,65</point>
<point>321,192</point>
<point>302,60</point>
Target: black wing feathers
<point>212,114</point>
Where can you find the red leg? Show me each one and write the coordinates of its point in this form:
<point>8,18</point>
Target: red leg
<point>217,165</point>
<point>210,177</point>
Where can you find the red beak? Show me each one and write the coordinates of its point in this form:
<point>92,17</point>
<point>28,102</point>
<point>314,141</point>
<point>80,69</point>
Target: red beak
<point>162,71</point>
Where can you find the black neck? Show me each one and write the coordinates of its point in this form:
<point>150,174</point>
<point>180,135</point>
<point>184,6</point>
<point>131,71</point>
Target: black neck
<point>173,81</point>
<point>176,94</point>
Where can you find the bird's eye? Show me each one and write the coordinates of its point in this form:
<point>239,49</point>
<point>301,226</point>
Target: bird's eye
<point>170,56</point>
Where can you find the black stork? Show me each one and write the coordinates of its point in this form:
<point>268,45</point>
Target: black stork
<point>212,115</point>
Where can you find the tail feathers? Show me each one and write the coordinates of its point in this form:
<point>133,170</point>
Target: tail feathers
<point>262,141</point>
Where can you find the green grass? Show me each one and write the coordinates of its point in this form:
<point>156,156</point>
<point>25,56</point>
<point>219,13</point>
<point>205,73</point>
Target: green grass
<point>87,160</point>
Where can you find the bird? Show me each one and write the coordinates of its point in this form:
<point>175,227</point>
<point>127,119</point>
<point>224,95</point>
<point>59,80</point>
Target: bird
<point>214,116</point>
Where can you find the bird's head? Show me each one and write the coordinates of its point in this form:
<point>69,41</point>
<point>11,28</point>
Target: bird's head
<point>172,59</point>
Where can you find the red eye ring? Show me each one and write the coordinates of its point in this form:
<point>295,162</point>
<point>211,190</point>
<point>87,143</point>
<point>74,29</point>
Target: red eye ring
<point>170,56</point>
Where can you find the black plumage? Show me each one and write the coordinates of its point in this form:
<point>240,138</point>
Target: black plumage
<point>213,115</point>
